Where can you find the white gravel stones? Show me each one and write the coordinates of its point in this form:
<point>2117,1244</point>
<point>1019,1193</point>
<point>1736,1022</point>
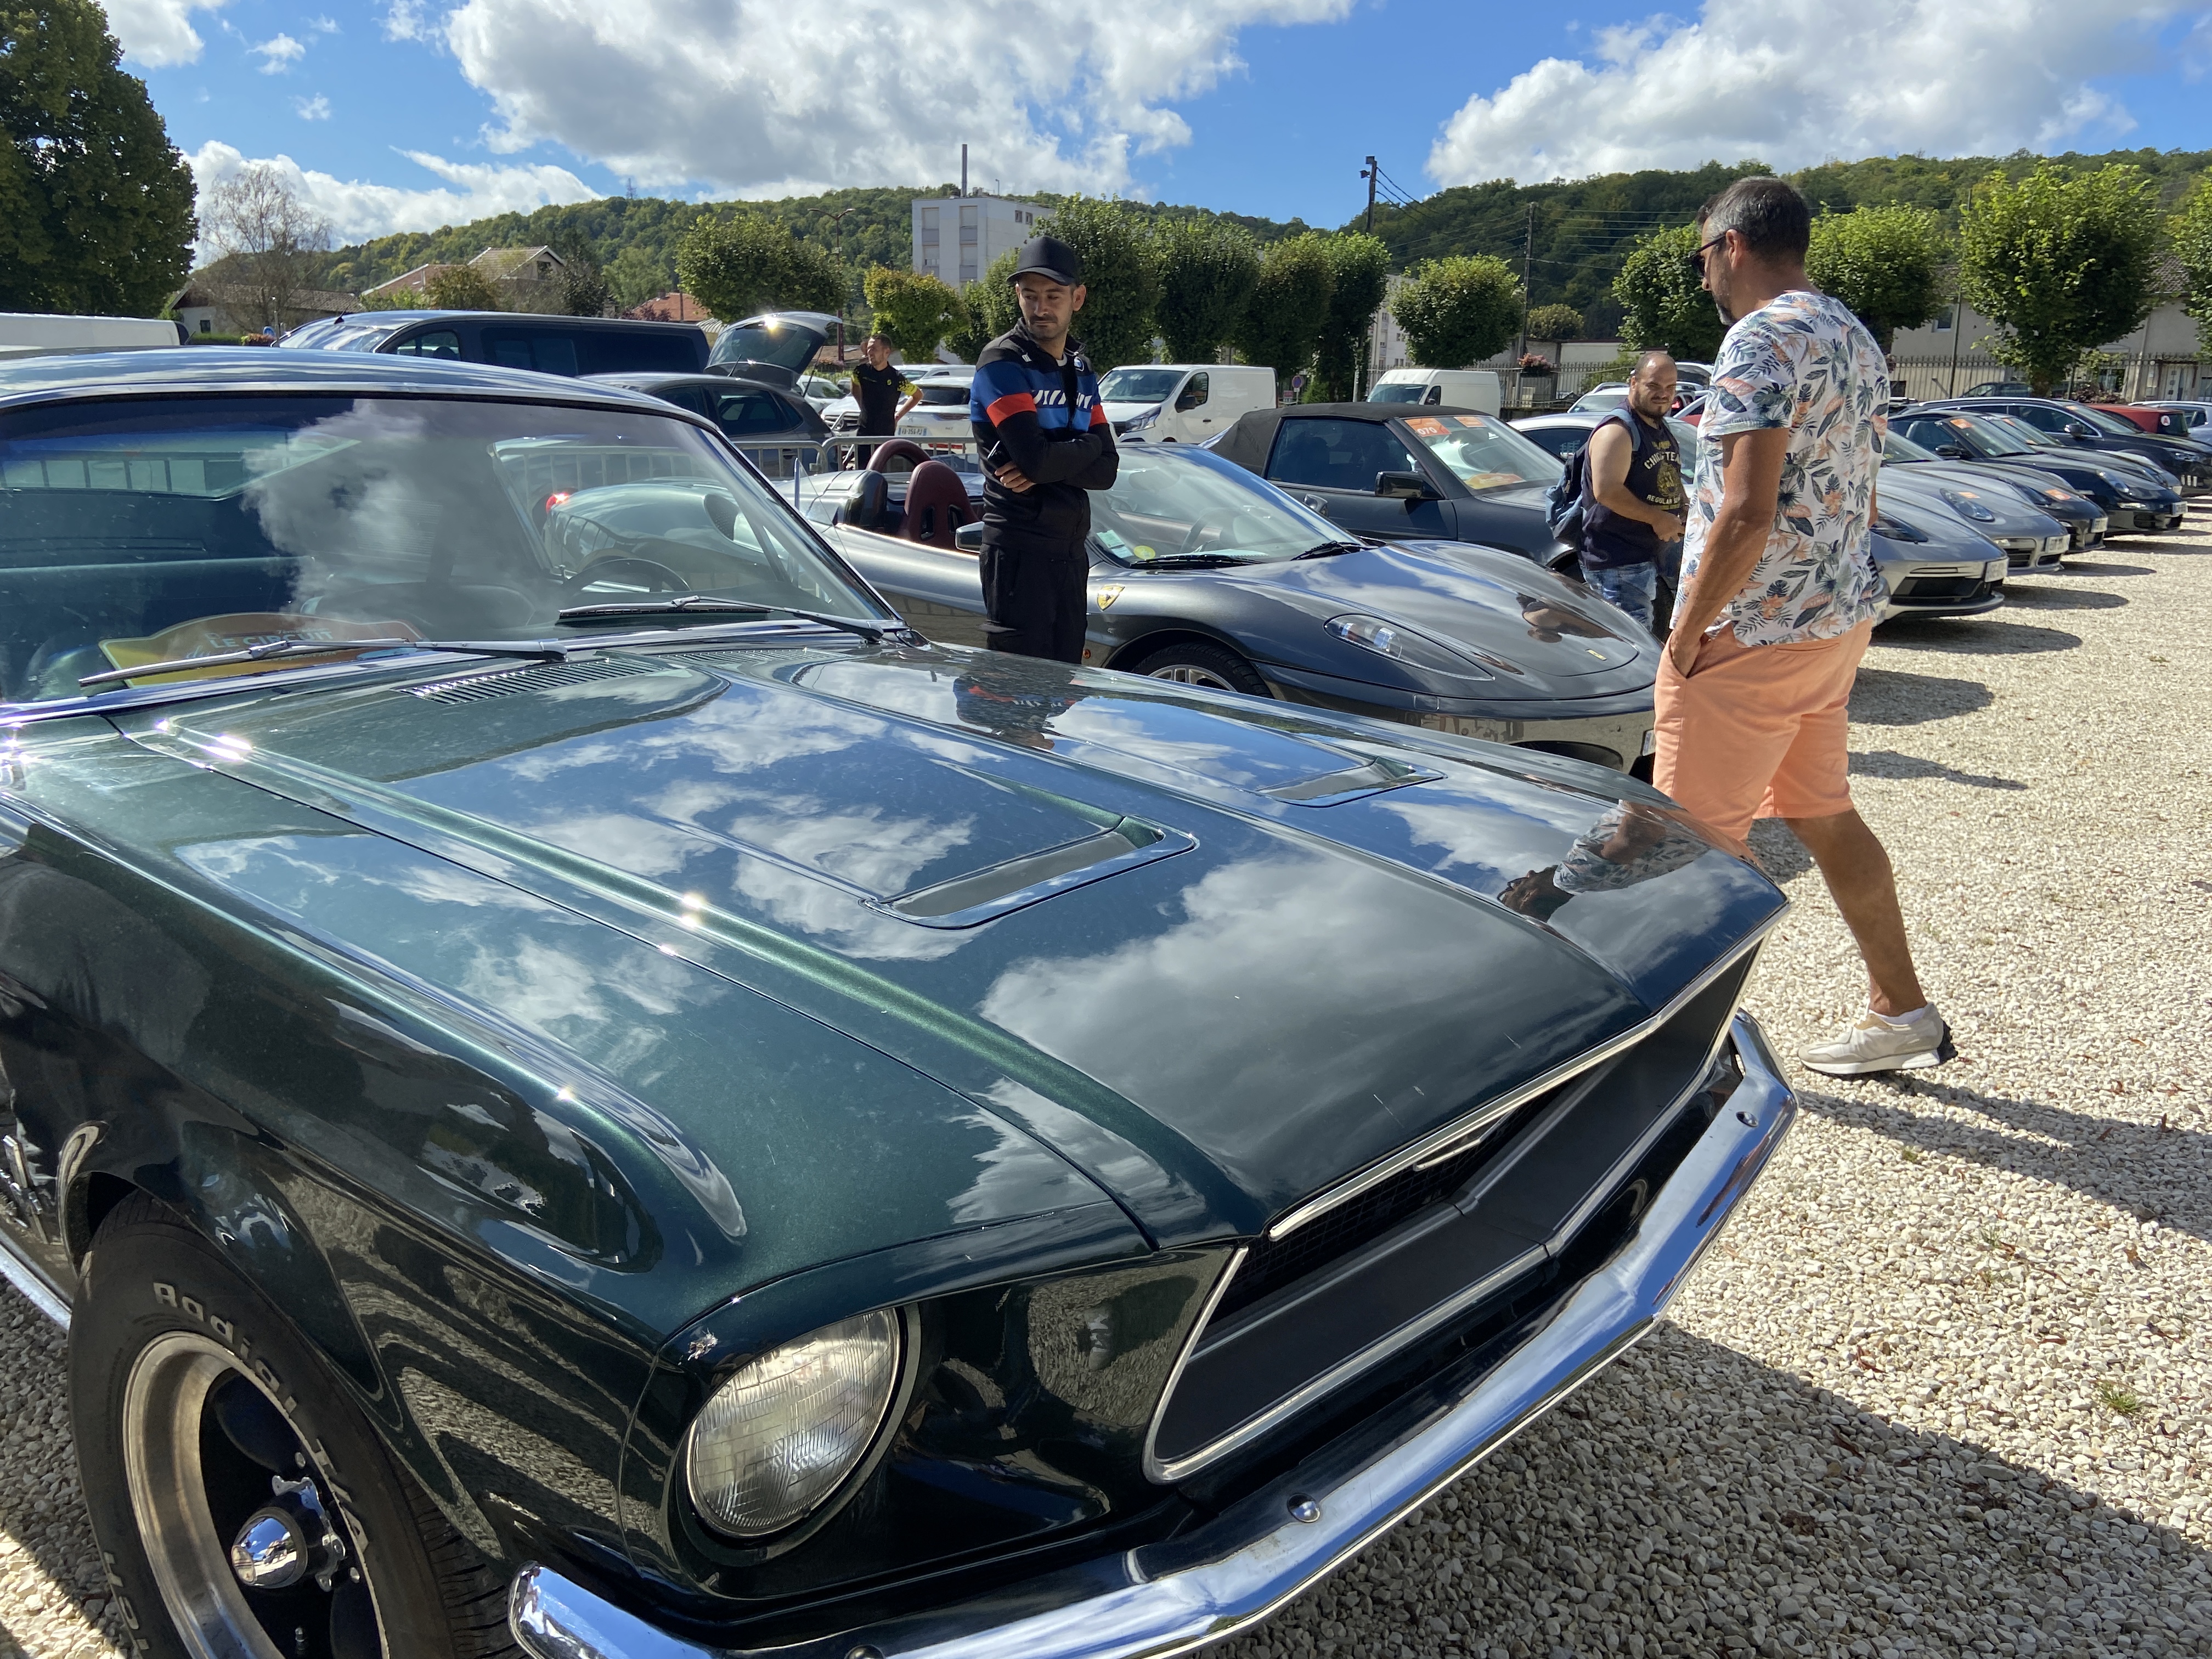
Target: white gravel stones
<point>1946,1386</point>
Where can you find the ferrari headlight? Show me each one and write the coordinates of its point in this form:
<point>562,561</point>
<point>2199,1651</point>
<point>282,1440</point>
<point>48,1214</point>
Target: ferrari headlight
<point>1968,504</point>
<point>778,1436</point>
<point>1388,639</point>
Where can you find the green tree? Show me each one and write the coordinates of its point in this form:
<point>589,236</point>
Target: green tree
<point>95,203</point>
<point>2060,261</point>
<point>271,243</point>
<point>1555,322</point>
<point>1663,307</point>
<point>586,290</point>
<point>1281,326</point>
<point>1459,310</point>
<point>1208,270</point>
<point>636,274</point>
<point>1360,272</point>
<point>1120,279</point>
<point>748,262</point>
<point>461,287</point>
<point>1889,264</point>
<point>914,311</point>
<point>987,308</point>
<point>2190,232</point>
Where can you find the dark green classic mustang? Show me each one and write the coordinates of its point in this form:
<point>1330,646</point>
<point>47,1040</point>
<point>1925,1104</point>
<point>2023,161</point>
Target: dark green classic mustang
<point>580,1086</point>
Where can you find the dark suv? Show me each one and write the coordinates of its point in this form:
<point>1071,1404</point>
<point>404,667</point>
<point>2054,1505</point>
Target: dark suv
<point>2084,427</point>
<point>550,345</point>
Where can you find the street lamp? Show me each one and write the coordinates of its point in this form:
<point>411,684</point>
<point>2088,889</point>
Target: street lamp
<point>836,220</point>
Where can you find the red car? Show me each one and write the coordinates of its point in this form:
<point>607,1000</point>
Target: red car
<point>2166,423</point>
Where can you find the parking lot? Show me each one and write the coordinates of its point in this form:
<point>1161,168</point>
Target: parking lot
<point>1946,1387</point>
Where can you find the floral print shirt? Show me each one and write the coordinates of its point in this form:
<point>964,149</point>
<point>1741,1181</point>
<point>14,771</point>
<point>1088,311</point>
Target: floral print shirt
<point>1804,363</point>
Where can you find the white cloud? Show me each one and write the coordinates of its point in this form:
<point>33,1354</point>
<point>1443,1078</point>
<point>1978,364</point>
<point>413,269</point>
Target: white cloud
<point>1794,81</point>
<point>156,34</point>
<point>761,97</point>
<point>358,209</point>
<point>404,21</point>
<point>278,53</point>
<point>317,108</point>
<point>323,26</point>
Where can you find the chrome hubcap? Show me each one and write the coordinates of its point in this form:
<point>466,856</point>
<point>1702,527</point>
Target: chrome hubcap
<point>1183,673</point>
<point>249,1561</point>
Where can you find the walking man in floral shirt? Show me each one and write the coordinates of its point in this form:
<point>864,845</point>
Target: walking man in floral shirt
<point>1780,593</point>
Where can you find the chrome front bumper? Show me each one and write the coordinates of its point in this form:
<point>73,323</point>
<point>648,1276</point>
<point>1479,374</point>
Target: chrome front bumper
<point>1170,1597</point>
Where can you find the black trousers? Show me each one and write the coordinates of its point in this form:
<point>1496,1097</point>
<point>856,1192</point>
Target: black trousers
<point>1034,599</point>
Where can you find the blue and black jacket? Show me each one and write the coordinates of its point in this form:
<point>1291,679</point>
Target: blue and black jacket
<point>1045,417</point>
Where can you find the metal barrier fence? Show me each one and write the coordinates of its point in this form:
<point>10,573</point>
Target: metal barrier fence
<point>2140,377</point>
<point>799,462</point>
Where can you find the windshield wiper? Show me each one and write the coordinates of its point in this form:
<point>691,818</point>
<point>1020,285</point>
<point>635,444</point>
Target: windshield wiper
<point>1330,550</point>
<point>1189,562</point>
<point>692,604</point>
<point>270,649</point>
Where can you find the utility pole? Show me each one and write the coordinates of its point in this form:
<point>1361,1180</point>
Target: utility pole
<point>1528,258</point>
<point>1366,340</point>
<point>964,171</point>
<point>1958,327</point>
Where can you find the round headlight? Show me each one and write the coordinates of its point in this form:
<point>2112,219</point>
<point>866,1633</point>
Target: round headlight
<point>777,1438</point>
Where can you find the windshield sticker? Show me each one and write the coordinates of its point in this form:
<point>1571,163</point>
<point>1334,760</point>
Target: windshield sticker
<point>1140,551</point>
<point>1491,480</point>
<point>1426,426</point>
<point>1475,421</point>
<point>1115,542</point>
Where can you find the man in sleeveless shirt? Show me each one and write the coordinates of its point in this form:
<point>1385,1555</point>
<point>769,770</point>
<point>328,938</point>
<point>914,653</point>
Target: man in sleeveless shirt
<point>1633,519</point>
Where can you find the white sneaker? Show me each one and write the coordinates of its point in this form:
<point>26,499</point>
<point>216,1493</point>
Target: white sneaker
<point>1875,1045</point>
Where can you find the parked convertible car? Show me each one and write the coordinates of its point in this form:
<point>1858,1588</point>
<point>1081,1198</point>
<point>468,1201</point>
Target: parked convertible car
<point>1379,469</point>
<point>1204,575</point>
<point>563,1068</point>
<point>2122,490</point>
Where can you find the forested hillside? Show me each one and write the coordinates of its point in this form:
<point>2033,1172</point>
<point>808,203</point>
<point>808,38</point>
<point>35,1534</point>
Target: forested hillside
<point>1574,234</point>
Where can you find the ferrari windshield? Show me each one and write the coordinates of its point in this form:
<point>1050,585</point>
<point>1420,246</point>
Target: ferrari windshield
<point>1166,506</point>
<point>1482,451</point>
<point>143,532</point>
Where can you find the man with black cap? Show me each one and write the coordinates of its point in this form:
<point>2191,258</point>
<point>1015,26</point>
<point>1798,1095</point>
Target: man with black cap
<point>1045,441</point>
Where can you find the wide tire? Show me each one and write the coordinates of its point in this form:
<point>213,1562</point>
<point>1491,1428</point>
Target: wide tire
<point>197,1409</point>
<point>1195,662</point>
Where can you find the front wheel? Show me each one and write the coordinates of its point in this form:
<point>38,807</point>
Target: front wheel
<point>243,1509</point>
<point>1196,662</point>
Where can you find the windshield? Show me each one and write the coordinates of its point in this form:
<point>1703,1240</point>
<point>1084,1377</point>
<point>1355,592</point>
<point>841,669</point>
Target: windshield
<point>2021,437</point>
<point>1398,391</point>
<point>1139,386</point>
<point>1483,452</point>
<point>2112,425</point>
<point>142,531</point>
<point>1898,447</point>
<point>945,394</point>
<point>780,341</point>
<point>1977,435</point>
<point>1163,505</point>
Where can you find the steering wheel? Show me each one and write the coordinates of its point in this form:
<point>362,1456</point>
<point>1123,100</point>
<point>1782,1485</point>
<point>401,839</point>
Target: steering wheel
<point>1191,537</point>
<point>657,577</point>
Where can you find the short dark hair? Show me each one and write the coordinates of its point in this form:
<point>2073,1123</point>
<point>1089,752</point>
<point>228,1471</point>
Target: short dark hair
<point>1768,213</point>
<point>1646,359</point>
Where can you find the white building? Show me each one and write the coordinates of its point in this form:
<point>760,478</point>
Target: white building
<point>957,237</point>
<point>1950,355</point>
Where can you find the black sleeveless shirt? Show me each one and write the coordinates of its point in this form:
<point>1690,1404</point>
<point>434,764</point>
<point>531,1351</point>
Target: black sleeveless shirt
<point>1655,476</point>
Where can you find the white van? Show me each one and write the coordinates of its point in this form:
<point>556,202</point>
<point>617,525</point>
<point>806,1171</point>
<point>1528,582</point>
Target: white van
<point>1182,403</point>
<point>1461,388</point>
<point>34,334</point>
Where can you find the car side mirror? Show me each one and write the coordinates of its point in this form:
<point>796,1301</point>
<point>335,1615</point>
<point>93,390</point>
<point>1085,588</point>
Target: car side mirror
<point>1954,452</point>
<point>969,538</point>
<point>2076,430</point>
<point>722,514</point>
<point>1403,486</point>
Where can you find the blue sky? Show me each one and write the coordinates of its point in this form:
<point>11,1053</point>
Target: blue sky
<point>410,115</point>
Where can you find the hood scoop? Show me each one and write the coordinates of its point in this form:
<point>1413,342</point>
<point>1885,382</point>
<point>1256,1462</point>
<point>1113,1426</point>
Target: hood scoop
<point>978,897</point>
<point>1377,773</point>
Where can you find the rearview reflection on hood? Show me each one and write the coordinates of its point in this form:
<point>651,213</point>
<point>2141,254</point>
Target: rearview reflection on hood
<point>1630,843</point>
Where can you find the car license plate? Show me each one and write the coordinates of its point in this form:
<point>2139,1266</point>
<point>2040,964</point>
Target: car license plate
<point>2054,543</point>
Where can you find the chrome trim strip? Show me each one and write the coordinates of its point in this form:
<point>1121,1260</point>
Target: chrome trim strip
<point>1435,1143</point>
<point>1189,1346</point>
<point>1229,1572</point>
<point>32,1283</point>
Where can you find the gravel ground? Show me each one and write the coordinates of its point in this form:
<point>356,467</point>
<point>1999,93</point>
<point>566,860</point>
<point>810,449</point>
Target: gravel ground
<point>1946,1386</point>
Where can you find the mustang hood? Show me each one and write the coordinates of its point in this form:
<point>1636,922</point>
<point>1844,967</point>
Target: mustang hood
<point>1215,954</point>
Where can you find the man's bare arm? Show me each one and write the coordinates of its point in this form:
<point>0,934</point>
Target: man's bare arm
<point>1611,455</point>
<point>1751,492</point>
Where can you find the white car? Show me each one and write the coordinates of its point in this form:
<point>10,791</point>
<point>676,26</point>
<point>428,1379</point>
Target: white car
<point>1182,403</point>
<point>941,416</point>
<point>820,392</point>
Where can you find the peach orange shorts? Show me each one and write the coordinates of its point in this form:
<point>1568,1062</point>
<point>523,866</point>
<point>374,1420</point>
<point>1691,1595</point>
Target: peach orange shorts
<point>1759,731</point>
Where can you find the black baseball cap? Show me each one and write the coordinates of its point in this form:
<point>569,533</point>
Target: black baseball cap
<point>1048,256</point>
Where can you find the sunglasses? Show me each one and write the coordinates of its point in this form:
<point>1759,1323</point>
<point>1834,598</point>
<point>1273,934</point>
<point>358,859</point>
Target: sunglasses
<point>1698,259</point>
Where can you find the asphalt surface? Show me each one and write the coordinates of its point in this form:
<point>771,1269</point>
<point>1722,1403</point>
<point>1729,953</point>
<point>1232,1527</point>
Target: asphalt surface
<point>1946,1386</point>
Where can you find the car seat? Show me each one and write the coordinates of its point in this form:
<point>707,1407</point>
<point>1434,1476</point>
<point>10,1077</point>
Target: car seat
<point>937,505</point>
<point>896,449</point>
<point>869,505</point>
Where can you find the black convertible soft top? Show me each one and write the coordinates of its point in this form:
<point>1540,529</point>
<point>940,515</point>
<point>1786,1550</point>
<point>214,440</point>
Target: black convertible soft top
<point>1248,442</point>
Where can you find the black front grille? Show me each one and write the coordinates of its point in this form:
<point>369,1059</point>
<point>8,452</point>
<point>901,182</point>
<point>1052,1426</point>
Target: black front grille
<point>1271,1264</point>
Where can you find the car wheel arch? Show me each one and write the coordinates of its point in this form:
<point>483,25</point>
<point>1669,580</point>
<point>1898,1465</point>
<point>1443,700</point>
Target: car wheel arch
<point>1127,656</point>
